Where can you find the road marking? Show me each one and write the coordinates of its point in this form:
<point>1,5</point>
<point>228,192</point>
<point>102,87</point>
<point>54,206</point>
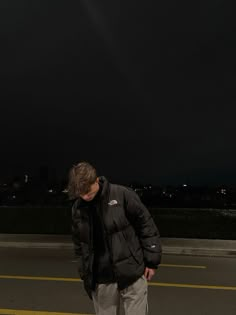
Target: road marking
<point>191,286</point>
<point>40,278</point>
<point>170,265</point>
<point>183,266</point>
<point>31,312</point>
<point>159,284</point>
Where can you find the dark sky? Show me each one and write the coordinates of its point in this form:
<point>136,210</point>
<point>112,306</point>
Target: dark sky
<point>145,90</point>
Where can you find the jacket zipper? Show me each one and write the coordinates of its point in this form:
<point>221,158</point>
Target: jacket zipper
<point>109,246</point>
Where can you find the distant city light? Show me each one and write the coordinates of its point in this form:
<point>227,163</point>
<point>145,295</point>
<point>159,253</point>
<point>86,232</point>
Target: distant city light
<point>26,178</point>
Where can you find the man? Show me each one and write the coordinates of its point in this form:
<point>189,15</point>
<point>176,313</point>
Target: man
<point>116,242</point>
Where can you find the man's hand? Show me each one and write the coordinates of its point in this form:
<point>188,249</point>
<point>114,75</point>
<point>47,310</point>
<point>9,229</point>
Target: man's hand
<point>149,273</point>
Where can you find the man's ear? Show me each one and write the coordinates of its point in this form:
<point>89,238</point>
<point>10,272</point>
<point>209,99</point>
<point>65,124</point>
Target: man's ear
<point>97,180</point>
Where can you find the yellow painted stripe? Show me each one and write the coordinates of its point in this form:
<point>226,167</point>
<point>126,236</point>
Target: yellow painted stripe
<point>191,286</point>
<point>40,278</point>
<point>183,266</point>
<point>28,312</point>
<point>159,284</point>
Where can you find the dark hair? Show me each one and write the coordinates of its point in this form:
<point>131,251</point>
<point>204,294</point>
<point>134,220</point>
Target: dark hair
<point>81,177</point>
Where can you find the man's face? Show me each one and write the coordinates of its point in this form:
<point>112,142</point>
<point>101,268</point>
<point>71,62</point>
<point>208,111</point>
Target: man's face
<point>94,188</point>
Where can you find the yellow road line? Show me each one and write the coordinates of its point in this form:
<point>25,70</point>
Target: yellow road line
<point>191,286</point>
<point>183,266</point>
<point>40,278</point>
<point>28,312</point>
<point>159,284</point>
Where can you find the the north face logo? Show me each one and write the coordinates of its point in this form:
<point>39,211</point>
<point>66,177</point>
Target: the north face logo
<point>112,202</point>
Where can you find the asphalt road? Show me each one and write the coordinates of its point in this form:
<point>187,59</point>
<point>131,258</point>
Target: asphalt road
<point>38,281</point>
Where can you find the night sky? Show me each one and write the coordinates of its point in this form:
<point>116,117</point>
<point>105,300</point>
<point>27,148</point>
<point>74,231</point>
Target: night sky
<point>144,90</point>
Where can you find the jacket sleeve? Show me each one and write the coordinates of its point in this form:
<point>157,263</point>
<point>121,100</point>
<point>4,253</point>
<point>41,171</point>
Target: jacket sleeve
<point>76,239</point>
<point>145,228</point>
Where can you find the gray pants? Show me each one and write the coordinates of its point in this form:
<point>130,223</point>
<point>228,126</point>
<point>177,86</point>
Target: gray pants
<point>108,300</point>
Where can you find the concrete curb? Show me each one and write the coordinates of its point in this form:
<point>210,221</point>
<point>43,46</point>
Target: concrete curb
<point>171,246</point>
<point>199,247</point>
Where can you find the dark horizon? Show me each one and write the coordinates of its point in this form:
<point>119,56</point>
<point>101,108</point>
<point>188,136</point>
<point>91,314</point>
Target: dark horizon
<point>59,177</point>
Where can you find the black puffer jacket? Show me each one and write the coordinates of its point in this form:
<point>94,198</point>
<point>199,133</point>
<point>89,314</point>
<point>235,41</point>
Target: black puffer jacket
<point>132,236</point>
